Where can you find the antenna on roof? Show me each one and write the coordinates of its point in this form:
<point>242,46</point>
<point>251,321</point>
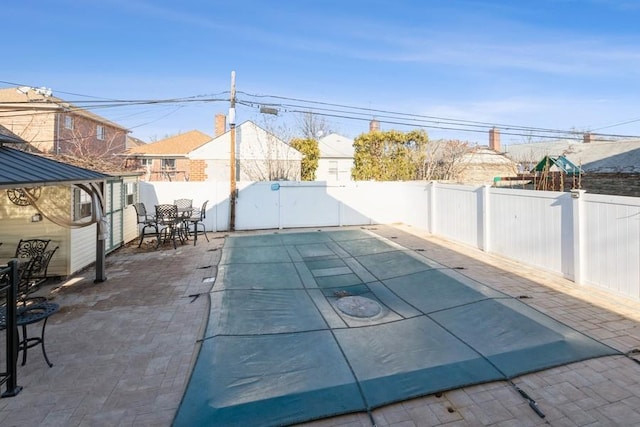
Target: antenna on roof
<point>42,91</point>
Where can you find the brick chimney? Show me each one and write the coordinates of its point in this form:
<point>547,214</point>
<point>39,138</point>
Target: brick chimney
<point>374,125</point>
<point>587,138</point>
<point>494,139</point>
<point>220,124</point>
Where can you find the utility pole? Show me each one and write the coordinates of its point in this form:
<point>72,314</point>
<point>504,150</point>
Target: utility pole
<point>232,154</point>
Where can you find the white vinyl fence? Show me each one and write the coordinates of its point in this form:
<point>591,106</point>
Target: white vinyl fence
<point>591,239</point>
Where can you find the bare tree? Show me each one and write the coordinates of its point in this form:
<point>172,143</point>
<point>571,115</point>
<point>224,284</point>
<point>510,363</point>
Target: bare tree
<point>446,159</point>
<point>268,159</point>
<point>313,126</point>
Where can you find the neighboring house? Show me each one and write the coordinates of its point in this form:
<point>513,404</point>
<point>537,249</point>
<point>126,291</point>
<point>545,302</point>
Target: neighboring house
<point>482,165</point>
<point>133,142</point>
<point>168,159</point>
<point>336,158</point>
<point>460,162</point>
<point>609,166</point>
<point>52,125</point>
<point>56,199</point>
<point>260,156</point>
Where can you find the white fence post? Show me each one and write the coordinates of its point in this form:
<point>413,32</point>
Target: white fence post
<point>431,208</point>
<point>578,241</point>
<point>485,243</point>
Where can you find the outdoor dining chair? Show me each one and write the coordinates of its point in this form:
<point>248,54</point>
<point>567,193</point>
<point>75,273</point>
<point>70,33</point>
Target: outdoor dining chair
<point>184,205</point>
<point>147,221</point>
<point>196,221</point>
<point>32,274</point>
<point>26,312</point>
<point>29,248</point>
<point>170,224</point>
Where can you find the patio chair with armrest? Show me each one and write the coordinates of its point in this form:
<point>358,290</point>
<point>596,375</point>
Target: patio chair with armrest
<point>33,274</point>
<point>183,204</point>
<point>147,221</point>
<point>196,221</point>
<point>27,312</point>
<point>29,248</point>
<point>170,224</point>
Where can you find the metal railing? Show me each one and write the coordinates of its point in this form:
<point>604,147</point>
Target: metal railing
<point>8,294</point>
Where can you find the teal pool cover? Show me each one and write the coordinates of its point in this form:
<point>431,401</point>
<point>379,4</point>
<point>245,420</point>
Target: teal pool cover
<point>310,325</point>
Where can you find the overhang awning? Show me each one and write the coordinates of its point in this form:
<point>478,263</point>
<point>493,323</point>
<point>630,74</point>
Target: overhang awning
<point>21,169</point>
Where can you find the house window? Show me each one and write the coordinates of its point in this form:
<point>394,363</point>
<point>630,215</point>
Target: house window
<point>68,122</point>
<point>81,204</point>
<point>100,132</point>
<point>333,169</point>
<point>147,163</point>
<point>168,164</point>
<point>131,193</point>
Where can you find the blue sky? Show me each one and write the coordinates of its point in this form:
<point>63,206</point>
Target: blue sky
<point>552,64</point>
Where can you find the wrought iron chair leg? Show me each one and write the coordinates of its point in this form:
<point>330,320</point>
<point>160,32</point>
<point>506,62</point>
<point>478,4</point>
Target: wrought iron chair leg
<point>44,352</point>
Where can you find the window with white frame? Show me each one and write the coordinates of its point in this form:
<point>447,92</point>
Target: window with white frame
<point>333,169</point>
<point>68,122</point>
<point>81,204</point>
<point>100,132</point>
<point>168,164</point>
<point>130,197</point>
<point>147,163</point>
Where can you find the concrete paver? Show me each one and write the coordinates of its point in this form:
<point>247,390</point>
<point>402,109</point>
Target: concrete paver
<point>123,349</point>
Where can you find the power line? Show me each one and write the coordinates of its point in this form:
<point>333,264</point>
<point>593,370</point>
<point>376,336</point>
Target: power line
<point>326,109</point>
<point>435,122</point>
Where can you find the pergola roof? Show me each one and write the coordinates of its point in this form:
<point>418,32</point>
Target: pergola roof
<point>22,169</point>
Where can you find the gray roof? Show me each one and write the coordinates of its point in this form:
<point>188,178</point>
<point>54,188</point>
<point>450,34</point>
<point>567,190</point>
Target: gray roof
<point>334,146</point>
<point>6,136</point>
<point>21,169</point>
<point>598,156</point>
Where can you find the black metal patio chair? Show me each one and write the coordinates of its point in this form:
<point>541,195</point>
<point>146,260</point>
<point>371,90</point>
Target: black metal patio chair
<point>147,221</point>
<point>196,221</point>
<point>17,313</point>
<point>32,274</point>
<point>171,225</point>
<point>29,248</point>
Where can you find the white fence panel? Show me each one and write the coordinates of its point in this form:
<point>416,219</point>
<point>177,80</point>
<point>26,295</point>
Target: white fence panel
<point>376,202</point>
<point>304,204</point>
<point>355,203</point>
<point>217,214</point>
<point>457,213</point>
<point>257,206</point>
<point>592,239</point>
<point>533,227</point>
<point>415,205</point>
<point>611,249</point>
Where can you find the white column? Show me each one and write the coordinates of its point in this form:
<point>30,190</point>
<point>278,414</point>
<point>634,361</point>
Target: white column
<point>578,227</point>
<point>485,243</point>
<point>431,208</point>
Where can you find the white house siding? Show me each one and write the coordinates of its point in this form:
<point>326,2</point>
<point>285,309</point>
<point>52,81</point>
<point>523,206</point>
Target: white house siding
<point>336,158</point>
<point>334,169</point>
<point>83,247</point>
<point>16,224</point>
<point>255,150</point>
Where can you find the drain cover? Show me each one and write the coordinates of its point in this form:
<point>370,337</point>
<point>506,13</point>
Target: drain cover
<point>358,306</point>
